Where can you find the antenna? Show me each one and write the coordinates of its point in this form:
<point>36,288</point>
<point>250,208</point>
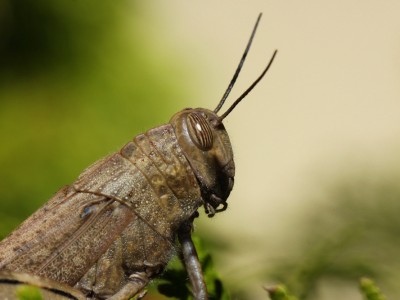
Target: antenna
<point>237,101</point>
<point>235,76</point>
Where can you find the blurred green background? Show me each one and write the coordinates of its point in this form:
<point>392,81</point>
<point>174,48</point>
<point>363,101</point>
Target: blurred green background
<point>316,197</point>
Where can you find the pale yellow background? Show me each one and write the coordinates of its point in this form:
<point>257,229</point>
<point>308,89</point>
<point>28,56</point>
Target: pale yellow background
<point>329,102</point>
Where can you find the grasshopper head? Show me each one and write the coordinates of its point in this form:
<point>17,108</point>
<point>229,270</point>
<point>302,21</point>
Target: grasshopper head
<point>205,144</point>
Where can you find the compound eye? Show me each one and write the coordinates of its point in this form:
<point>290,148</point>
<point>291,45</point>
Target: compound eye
<point>200,131</point>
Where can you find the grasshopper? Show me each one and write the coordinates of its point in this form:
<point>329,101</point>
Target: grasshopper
<point>115,228</point>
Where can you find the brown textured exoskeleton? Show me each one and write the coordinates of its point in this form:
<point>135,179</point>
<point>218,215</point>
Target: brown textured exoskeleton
<point>115,227</point>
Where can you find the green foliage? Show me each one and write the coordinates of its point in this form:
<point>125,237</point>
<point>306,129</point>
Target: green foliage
<point>353,233</point>
<point>45,35</point>
<point>27,292</point>
<point>279,292</point>
<point>175,283</point>
<point>370,290</point>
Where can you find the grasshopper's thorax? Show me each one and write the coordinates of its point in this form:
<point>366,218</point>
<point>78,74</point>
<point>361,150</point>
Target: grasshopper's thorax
<point>205,143</point>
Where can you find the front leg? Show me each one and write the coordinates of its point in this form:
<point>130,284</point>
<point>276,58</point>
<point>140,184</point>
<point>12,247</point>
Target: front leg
<point>192,263</point>
<point>134,286</point>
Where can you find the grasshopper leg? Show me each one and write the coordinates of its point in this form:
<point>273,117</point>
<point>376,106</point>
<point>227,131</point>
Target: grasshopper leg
<point>134,286</point>
<point>192,263</point>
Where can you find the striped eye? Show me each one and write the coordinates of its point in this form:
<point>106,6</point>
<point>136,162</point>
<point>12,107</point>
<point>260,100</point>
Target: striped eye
<point>200,131</point>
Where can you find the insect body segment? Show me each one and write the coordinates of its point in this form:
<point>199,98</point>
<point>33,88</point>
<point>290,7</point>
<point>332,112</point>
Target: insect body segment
<point>151,175</point>
<point>131,203</point>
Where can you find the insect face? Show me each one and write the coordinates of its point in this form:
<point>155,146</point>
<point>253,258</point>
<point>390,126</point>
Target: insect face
<point>206,145</point>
